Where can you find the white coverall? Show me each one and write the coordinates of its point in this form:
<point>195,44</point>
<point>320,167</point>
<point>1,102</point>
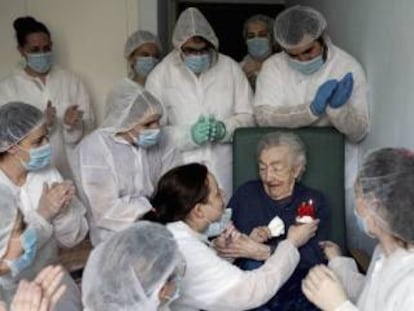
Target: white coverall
<point>283,97</point>
<point>117,179</point>
<point>62,89</point>
<point>212,283</point>
<point>67,229</point>
<point>222,91</point>
<point>388,285</point>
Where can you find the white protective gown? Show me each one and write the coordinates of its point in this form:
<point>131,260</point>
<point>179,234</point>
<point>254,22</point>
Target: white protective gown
<point>222,91</point>
<point>283,97</point>
<point>212,283</point>
<point>66,230</point>
<point>62,89</point>
<point>388,285</point>
<point>117,179</point>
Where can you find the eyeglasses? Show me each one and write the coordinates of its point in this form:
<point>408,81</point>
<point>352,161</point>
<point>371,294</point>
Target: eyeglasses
<point>194,51</point>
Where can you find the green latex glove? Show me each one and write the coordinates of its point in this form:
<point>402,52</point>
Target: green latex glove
<point>217,130</point>
<point>200,131</point>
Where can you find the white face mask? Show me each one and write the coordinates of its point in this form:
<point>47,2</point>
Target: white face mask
<point>362,224</point>
<point>217,227</point>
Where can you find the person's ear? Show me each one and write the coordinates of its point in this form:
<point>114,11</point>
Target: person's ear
<point>197,212</point>
<point>297,171</point>
<point>13,149</point>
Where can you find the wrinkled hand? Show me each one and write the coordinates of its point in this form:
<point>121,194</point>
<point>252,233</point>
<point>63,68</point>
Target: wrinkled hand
<point>260,234</point>
<point>217,130</point>
<point>343,91</point>
<point>330,249</point>
<point>323,96</point>
<point>322,287</point>
<point>226,237</point>
<point>200,131</point>
<point>55,199</point>
<point>244,247</point>
<point>50,114</point>
<point>41,294</point>
<point>300,234</point>
<point>73,116</point>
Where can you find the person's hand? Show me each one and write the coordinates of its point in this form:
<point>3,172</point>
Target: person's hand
<point>343,91</point>
<point>217,130</point>
<point>73,116</point>
<point>200,131</point>
<point>322,287</point>
<point>244,247</point>
<point>301,234</point>
<point>55,199</point>
<point>226,237</point>
<point>39,295</point>
<point>50,113</point>
<point>322,97</point>
<point>330,249</point>
<point>251,67</point>
<point>260,234</point>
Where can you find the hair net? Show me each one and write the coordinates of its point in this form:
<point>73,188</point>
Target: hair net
<point>266,20</point>
<point>127,270</point>
<point>8,212</point>
<point>139,38</point>
<point>298,26</point>
<point>127,104</point>
<point>17,120</point>
<point>386,180</point>
<point>192,23</point>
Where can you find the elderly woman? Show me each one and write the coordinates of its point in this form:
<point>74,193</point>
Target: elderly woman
<point>51,214</point>
<point>190,202</point>
<point>143,272</point>
<point>121,162</point>
<point>384,208</point>
<point>258,34</point>
<point>281,160</point>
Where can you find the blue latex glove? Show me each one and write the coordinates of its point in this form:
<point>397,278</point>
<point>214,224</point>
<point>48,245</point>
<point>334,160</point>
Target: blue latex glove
<point>323,96</point>
<point>200,131</point>
<point>217,130</point>
<point>343,91</point>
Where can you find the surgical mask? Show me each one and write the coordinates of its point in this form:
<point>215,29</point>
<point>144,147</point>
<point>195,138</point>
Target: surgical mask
<point>258,47</point>
<point>40,62</point>
<point>362,224</point>
<point>148,138</point>
<point>29,243</point>
<point>38,158</point>
<point>144,65</point>
<point>217,227</point>
<point>308,67</point>
<point>197,63</point>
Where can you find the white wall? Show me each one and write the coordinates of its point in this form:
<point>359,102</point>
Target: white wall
<point>88,36</point>
<point>379,33</point>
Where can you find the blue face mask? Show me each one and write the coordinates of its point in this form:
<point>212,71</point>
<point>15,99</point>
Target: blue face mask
<point>144,65</point>
<point>40,62</point>
<point>362,224</point>
<point>197,63</point>
<point>29,243</point>
<point>217,227</point>
<point>258,47</point>
<point>38,158</point>
<point>307,68</point>
<point>148,138</point>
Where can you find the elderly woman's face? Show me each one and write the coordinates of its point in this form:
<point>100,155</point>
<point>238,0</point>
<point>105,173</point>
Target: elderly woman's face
<point>278,172</point>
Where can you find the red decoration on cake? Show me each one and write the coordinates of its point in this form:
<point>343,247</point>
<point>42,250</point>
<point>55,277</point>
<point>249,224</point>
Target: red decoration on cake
<point>306,209</point>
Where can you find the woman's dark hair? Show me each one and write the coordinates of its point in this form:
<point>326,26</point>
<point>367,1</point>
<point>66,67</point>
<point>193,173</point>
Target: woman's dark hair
<point>24,26</point>
<point>178,191</point>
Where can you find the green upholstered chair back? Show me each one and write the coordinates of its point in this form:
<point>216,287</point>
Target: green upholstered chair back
<point>324,169</point>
